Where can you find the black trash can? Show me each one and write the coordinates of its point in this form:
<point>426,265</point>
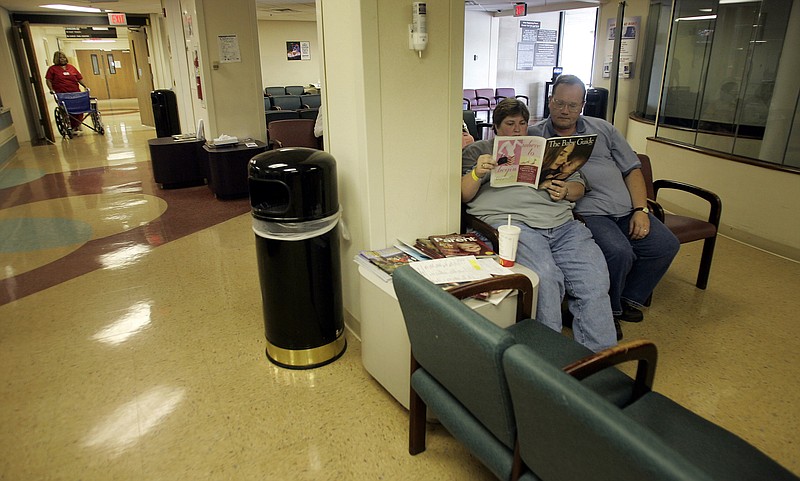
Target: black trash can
<point>165,113</point>
<point>295,208</point>
<point>596,103</point>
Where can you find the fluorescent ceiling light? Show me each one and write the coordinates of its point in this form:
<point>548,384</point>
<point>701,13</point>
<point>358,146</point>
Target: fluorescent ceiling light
<point>700,17</point>
<point>72,8</point>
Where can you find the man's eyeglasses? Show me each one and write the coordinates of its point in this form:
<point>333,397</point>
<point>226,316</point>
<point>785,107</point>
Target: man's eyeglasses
<point>560,104</point>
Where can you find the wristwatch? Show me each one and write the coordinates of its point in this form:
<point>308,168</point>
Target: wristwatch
<point>643,209</point>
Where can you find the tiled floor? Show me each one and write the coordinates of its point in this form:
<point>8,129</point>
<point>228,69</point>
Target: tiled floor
<point>132,342</point>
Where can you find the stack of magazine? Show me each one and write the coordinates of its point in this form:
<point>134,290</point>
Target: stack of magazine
<point>383,262</point>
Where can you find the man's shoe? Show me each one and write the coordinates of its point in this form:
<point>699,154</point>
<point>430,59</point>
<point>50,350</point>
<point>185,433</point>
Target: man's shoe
<point>629,314</point>
<point>618,329</point>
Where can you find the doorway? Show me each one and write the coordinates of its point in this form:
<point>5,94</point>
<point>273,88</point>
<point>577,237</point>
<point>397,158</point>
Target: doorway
<point>108,73</point>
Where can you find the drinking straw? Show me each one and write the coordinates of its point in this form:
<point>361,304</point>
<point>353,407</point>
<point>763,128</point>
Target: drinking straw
<point>509,219</point>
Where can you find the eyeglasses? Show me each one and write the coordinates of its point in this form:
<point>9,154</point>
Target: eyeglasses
<point>573,107</point>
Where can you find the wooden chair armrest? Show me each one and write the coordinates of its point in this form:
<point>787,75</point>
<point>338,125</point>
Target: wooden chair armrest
<point>640,350</point>
<point>520,282</point>
<point>656,209</point>
<point>469,221</point>
<point>715,203</point>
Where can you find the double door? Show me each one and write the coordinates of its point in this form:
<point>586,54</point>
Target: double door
<point>109,74</point>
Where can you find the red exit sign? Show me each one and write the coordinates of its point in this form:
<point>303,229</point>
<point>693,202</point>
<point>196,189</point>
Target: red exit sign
<point>520,9</point>
<point>117,19</point>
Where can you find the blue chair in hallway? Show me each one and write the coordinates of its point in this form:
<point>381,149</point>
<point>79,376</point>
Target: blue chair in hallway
<point>567,432</point>
<point>270,91</point>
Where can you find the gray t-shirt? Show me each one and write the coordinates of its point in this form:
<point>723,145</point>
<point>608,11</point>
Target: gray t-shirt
<point>612,159</point>
<point>526,204</point>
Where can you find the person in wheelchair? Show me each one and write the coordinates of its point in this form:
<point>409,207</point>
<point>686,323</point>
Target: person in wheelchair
<point>63,77</point>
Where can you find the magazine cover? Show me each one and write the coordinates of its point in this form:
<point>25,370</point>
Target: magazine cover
<point>388,259</point>
<point>528,160</point>
<point>426,246</point>
<point>452,245</point>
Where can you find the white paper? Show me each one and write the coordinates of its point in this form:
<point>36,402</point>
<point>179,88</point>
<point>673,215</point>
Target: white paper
<point>459,269</point>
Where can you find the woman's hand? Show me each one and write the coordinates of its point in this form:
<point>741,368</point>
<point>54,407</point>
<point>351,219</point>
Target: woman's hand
<point>484,165</point>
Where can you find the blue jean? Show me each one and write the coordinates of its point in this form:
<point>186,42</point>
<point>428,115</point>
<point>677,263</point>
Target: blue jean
<point>634,266</point>
<point>566,259</point>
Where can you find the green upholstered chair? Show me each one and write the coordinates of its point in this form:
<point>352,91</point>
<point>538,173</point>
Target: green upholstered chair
<point>567,432</point>
<point>456,364</point>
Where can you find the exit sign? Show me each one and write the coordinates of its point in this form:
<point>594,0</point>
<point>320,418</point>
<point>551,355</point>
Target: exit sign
<point>117,19</point>
<point>520,9</point>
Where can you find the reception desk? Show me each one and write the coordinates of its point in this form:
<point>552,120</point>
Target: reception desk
<point>385,348</point>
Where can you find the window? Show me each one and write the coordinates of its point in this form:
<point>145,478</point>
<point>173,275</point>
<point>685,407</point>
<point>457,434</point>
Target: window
<point>729,82</point>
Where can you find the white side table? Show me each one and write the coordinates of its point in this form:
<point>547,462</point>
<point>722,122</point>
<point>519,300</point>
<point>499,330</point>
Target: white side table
<point>385,348</point>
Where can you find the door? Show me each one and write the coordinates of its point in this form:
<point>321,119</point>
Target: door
<point>143,76</point>
<point>109,74</point>
<point>34,93</point>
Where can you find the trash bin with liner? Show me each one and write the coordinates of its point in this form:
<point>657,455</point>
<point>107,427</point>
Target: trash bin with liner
<point>165,113</point>
<point>295,209</point>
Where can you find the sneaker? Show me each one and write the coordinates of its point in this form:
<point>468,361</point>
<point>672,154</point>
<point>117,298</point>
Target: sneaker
<point>629,314</point>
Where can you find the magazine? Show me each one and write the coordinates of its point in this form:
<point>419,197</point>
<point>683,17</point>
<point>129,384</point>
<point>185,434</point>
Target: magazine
<point>453,245</point>
<point>388,259</point>
<point>425,245</point>
<point>530,160</point>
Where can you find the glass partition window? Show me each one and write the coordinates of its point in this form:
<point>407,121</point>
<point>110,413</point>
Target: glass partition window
<point>729,83</point>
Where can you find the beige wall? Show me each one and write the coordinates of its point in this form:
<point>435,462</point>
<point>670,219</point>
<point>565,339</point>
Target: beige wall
<point>393,123</point>
<point>9,79</point>
<point>276,70</point>
<point>759,205</point>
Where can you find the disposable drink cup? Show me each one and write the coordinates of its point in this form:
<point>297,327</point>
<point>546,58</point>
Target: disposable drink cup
<point>508,237</point>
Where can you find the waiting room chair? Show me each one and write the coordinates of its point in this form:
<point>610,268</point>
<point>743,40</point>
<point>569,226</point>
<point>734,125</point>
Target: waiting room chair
<point>267,103</point>
<point>568,432</point>
<point>295,90</point>
<point>292,133</point>
<point>270,91</point>
<point>474,127</point>
<point>286,102</point>
<point>311,101</point>
<point>687,228</point>
<point>486,94</point>
<point>503,93</point>
<point>456,368</point>
<point>308,113</point>
<point>273,115</point>
<point>476,103</point>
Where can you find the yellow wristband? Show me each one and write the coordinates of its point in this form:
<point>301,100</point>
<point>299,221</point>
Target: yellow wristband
<point>475,176</point>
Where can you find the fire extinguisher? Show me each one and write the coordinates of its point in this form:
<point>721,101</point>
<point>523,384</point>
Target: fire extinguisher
<point>197,77</point>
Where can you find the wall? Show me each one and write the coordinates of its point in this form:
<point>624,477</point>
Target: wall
<point>397,145</point>
<point>480,50</point>
<point>627,89</point>
<point>276,70</point>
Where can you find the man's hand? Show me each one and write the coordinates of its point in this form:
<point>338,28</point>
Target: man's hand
<point>639,225</point>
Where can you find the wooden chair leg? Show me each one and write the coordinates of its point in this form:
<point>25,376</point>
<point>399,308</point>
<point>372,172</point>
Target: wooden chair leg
<point>705,262</point>
<point>416,418</point>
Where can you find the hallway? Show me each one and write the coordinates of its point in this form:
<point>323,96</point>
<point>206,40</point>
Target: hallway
<point>132,343</point>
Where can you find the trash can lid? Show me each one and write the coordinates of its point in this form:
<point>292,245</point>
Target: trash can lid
<point>293,184</point>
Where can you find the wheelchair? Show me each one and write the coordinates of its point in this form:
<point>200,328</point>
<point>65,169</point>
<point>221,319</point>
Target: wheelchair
<point>71,104</point>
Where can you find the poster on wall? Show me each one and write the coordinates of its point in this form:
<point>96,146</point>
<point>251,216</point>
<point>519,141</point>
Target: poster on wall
<point>229,49</point>
<point>305,50</point>
<point>537,47</point>
<point>525,56</point>
<point>628,46</point>
<point>293,51</point>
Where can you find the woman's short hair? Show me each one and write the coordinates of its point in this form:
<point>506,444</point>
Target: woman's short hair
<point>57,54</point>
<point>507,108</point>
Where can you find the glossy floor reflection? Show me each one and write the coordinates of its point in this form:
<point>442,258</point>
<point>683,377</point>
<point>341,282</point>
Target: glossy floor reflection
<point>149,363</point>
